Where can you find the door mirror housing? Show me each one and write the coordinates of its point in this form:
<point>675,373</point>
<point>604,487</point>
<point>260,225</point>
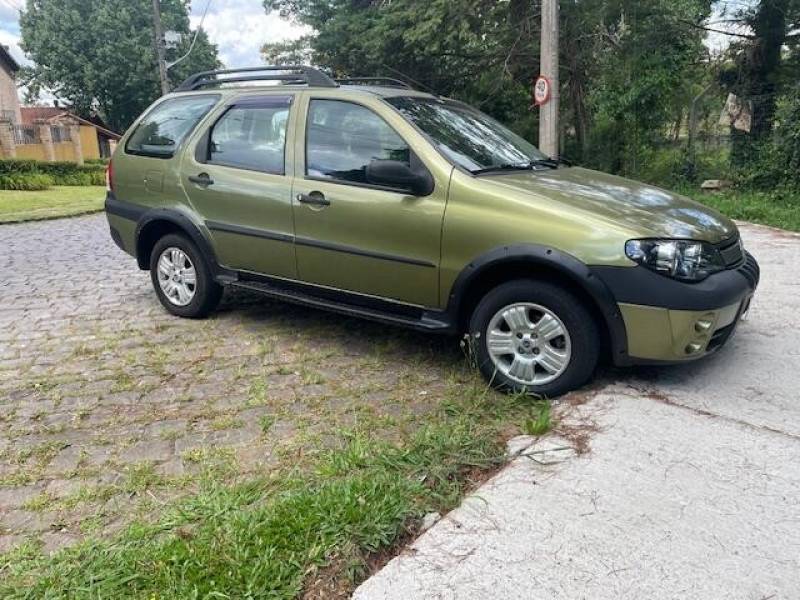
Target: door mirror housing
<point>396,174</point>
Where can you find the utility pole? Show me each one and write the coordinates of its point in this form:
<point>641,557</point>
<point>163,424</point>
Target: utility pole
<point>159,44</point>
<point>548,112</point>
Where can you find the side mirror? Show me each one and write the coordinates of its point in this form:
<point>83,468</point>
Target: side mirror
<point>393,173</point>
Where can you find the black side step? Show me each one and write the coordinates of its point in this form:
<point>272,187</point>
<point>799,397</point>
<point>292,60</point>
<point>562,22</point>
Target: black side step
<point>424,321</point>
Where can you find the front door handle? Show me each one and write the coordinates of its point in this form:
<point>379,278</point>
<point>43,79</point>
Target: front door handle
<point>203,179</point>
<point>313,198</point>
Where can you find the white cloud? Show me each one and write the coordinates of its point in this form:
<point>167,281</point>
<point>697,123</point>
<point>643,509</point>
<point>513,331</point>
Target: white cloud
<point>11,39</point>
<point>241,27</point>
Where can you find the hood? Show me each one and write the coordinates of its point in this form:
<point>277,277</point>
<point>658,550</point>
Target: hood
<point>648,210</point>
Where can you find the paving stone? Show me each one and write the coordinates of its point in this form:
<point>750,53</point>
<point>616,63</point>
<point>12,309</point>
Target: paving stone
<point>66,460</point>
<point>27,521</point>
<point>54,541</point>
<point>148,451</point>
<point>14,497</point>
<point>9,542</point>
<point>171,468</point>
<point>61,488</point>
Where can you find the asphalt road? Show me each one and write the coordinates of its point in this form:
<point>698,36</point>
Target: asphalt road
<point>688,485</point>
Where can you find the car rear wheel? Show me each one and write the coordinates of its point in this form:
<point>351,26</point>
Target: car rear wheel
<point>535,338</point>
<point>182,279</point>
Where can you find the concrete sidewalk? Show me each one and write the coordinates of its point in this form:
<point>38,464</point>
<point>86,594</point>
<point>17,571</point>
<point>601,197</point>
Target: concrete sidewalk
<point>690,487</point>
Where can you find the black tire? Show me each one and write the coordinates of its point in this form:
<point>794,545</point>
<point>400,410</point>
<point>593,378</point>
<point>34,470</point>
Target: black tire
<point>576,318</point>
<point>207,292</point>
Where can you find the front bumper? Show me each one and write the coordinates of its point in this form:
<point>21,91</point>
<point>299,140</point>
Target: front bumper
<point>669,321</point>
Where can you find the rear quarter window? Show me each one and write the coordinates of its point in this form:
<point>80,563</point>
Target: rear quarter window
<point>162,129</point>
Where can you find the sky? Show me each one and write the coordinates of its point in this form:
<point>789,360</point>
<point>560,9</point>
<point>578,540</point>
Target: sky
<point>238,27</point>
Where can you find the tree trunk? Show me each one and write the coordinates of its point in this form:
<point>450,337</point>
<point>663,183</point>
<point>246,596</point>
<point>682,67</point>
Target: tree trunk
<point>759,75</point>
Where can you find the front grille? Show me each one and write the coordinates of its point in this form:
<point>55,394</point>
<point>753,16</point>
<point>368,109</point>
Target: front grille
<point>732,251</point>
<point>750,270</point>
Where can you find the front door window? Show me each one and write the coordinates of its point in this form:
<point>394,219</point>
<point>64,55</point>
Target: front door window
<point>343,138</point>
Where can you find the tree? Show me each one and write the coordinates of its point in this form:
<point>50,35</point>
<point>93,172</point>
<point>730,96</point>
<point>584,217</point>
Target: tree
<point>760,71</point>
<point>98,55</point>
<point>643,59</point>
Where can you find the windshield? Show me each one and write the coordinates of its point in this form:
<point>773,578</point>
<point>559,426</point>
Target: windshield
<point>466,136</point>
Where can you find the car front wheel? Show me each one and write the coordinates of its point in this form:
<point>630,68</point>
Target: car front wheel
<point>182,278</point>
<point>535,338</point>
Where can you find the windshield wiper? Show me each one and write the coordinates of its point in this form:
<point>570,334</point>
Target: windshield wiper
<point>505,167</point>
<point>552,163</point>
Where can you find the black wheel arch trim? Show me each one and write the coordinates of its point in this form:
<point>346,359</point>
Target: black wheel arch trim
<point>567,265</point>
<point>146,215</point>
<point>187,225</point>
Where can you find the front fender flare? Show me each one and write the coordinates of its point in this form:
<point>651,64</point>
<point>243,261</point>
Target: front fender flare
<point>566,265</point>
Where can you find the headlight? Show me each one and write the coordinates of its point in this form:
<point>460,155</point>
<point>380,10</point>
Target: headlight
<point>681,259</point>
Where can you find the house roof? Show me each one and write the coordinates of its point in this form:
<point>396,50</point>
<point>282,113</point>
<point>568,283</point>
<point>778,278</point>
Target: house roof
<point>7,59</point>
<point>31,114</point>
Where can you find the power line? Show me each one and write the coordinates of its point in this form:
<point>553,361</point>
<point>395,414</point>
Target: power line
<point>194,40</point>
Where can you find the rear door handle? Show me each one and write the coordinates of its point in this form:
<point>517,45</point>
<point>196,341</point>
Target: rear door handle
<point>314,198</point>
<point>202,179</point>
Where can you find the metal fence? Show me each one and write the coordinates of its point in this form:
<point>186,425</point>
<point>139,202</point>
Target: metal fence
<point>60,134</point>
<point>25,134</point>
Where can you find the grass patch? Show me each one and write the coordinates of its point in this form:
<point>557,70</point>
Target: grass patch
<point>62,201</point>
<point>777,208</point>
<point>266,422</point>
<point>263,538</point>
<point>541,422</point>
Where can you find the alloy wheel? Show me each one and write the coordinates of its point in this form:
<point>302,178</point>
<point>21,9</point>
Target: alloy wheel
<point>177,276</point>
<point>528,343</point>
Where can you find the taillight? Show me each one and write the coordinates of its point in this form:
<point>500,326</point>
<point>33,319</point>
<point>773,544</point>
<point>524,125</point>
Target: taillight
<point>110,177</point>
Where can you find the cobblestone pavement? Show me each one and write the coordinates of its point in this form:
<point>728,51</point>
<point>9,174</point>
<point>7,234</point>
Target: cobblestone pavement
<point>109,406</point>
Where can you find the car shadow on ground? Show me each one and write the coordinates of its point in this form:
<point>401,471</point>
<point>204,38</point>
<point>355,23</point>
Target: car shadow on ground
<point>354,335</point>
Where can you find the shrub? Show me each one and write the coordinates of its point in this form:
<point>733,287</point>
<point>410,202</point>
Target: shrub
<point>58,173</point>
<point>16,166</point>
<point>25,181</point>
<point>67,173</point>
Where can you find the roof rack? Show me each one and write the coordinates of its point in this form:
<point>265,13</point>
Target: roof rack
<point>290,74</point>
<point>380,81</point>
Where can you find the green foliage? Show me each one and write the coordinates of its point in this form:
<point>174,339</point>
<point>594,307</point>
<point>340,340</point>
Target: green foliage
<point>475,50</point>
<point>18,166</point>
<point>670,166</point>
<point>541,422</point>
<point>22,174</point>
<point>100,54</point>
<point>624,60</point>
<point>632,94</point>
<point>787,139</point>
<point>779,207</point>
<point>25,181</point>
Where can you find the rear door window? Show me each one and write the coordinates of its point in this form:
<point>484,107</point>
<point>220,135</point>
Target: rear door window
<point>252,135</point>
<point>162,130</point>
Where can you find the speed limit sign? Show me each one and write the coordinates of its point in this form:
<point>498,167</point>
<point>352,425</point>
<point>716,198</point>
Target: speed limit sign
<point>541,91</point>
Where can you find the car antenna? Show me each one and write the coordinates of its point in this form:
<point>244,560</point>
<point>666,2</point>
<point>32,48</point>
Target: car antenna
<point>412,80</point>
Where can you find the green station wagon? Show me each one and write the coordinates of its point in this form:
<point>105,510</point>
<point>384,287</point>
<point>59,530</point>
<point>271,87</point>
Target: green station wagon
<point>372,199</point>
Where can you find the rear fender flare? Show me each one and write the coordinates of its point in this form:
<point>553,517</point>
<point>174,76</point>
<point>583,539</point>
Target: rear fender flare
<point>184,223</point>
